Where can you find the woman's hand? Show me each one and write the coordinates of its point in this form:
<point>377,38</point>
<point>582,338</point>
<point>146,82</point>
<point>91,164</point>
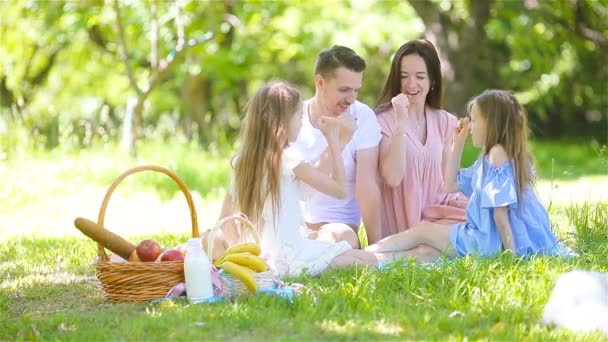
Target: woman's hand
<point>462,131</point>
<point>401,105</point>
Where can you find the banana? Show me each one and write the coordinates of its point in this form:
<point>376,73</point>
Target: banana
<point>243,273</point>
<point>245,247</point>
<point>251,261</point>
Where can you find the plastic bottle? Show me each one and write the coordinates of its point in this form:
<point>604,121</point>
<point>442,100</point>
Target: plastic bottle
<point>197,271</point>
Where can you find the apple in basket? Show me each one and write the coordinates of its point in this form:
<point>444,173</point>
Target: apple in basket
<point>171,255</point>
<point>148,250</point>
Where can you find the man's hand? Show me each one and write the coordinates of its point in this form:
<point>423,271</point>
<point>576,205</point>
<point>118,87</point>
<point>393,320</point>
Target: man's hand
<point>348,126</point>
<point>330,127</point>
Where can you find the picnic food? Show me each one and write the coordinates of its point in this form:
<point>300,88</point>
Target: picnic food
<point>245,274</point>
<point>140,281</point>
<point>197,272</point>
<point>251,261</point>
<point>105,237</point>
<point>244,247</point>
<point>171,255</point>
<point>243,261</point>
<point>239,279</point>
<point>148,250</point>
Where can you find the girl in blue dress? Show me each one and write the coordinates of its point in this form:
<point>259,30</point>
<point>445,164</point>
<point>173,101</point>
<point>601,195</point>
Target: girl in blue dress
<point>504,212</point>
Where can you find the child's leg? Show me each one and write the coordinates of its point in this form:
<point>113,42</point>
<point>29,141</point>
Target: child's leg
<point>424,233</point>
<point>336,232</point>
<point>423,253</point>
<point>354,257</point>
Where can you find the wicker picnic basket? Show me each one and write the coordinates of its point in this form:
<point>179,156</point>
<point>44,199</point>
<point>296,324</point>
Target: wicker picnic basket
<point>232,285</point>
<point>140,281</point>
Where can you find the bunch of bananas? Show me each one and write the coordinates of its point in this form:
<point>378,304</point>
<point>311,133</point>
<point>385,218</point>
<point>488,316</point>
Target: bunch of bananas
<point>243,261</point>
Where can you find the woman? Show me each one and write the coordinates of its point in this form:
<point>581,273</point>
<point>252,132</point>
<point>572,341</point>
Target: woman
<point>416,139</point>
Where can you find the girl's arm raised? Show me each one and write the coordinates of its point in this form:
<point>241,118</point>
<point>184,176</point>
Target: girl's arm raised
<point>335,183</point>
<point>453,165</point>
<point>346,128</point>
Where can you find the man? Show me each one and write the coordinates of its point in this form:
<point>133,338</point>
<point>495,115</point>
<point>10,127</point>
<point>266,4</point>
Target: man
<point>338,78</point>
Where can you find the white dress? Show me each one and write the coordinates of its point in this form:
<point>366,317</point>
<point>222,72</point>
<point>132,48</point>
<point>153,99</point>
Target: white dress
<point>283,240</point>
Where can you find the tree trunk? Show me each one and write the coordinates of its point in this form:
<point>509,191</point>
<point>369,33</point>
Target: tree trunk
<point>459,42</point>
<point>196,99</point>
<point>132,120</point>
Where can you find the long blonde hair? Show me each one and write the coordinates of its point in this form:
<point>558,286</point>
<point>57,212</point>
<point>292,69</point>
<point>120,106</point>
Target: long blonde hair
<point>264,135</point>
<point>507,125</point>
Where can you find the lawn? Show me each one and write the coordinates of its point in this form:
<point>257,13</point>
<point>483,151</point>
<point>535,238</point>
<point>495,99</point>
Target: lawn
<point>49,291</point>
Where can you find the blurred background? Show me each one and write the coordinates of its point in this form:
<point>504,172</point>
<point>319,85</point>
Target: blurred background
<point>90,88</point>
<point>77,73</point>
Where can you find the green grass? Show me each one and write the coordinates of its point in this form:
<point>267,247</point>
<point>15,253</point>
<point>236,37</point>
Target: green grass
<point>59,173</point>
<point>49,292</point>
<point>48,289</point>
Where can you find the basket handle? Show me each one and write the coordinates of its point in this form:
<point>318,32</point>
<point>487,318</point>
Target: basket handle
<point>104,205</point>
<point>240,217</point>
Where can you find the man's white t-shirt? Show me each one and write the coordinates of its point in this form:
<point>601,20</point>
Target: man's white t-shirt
<point>311,143</point>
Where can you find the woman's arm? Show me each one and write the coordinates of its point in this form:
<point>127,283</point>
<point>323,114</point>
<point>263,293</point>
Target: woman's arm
<point>393,160</point>
<point>453,164</point>
<point>367,192</point>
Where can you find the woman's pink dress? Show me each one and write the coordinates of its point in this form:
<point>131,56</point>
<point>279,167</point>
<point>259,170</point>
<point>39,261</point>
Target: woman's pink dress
<point>420,195</point>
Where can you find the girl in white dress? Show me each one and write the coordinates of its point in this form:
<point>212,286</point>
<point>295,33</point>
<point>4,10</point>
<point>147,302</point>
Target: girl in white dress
<point>266,184</point>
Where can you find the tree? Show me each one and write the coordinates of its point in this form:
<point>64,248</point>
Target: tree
<point>158,67</point>
<point>552,54</point>
<point>458,32</point>
<point>73,73</point>
<point>28,57</point>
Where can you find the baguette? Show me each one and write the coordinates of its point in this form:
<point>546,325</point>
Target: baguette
<point>105,237</point>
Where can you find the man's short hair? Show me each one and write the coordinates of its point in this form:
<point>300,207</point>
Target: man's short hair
<point>329,60</point>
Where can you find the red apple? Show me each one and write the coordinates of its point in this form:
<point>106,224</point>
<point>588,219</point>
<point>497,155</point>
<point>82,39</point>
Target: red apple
<point>172,255</point>
<point>148,250</point>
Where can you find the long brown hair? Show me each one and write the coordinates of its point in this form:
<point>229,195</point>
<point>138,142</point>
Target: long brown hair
<point>507,125</point>
<point>264,135</point>
<point>392,88</point>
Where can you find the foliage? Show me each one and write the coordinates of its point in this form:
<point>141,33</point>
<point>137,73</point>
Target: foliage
<point>557,73</point>
<point>63,81</point>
